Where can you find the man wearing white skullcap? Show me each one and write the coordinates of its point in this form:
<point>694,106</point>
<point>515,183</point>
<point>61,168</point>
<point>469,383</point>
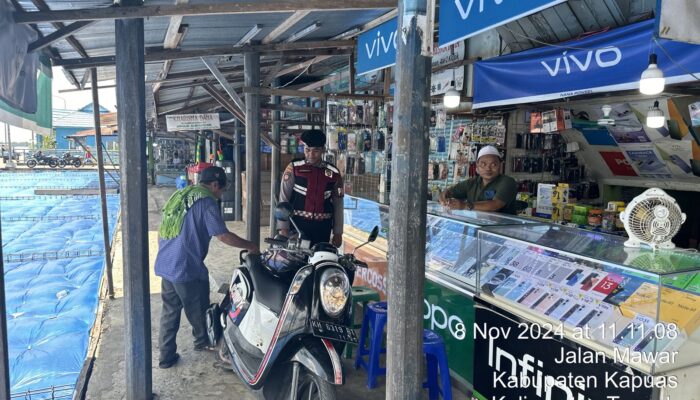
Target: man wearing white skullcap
<point>489,191</point>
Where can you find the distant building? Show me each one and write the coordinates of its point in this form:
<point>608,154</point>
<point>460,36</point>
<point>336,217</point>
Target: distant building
<point>68,123</point>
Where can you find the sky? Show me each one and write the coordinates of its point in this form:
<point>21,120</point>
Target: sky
<point>69,101</point>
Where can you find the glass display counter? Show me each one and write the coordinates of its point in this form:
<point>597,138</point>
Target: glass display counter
<point>451,241</point>
<point>638,307</point>
<point>451,266</point>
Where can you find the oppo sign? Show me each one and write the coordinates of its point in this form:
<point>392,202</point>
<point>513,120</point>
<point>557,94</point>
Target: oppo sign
<point>440,320</point>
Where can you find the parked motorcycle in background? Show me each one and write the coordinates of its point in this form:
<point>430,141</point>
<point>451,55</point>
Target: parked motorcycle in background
<point>285,318</point>
<point>39,158</point>
<point>69,159</point>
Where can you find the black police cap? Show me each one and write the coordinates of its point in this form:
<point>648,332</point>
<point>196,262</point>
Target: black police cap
<point>314,138</point>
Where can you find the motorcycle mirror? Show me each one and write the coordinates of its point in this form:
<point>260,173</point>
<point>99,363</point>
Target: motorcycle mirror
<point>283,211</point>
<point>373,235</point>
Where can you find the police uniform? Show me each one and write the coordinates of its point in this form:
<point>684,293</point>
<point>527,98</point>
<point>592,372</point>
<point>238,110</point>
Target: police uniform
<point>316,194</point>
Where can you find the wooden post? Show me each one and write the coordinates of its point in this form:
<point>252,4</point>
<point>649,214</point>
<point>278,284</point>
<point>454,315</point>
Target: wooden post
<point>251,67</point>
<point>101,176</point>
<point>275,168</point>
<point>131,97</point>
<point>408,208</point>
<point>238,196</point>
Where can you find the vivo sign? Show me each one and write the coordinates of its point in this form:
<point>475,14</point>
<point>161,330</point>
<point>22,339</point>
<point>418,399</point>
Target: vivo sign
<point>568,63</point>
<point>376,48</point>
<point>605,62</point>
<point>461,19</point>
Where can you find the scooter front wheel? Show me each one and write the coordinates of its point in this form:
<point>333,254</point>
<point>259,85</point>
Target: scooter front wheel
<point>311,387</point>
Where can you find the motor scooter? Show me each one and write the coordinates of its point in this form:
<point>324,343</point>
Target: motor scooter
<point>286,316</point>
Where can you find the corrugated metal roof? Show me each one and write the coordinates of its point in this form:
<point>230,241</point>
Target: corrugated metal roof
<point>556,24</point>
<point>570,19</point>
<point>72,119</point>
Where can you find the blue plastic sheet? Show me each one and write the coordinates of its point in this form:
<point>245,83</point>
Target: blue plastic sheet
<point>54,260</point>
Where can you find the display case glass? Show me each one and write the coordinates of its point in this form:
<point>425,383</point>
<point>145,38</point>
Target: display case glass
<point>637,306</point>
<point>451,242</point>
<point>452,248</point>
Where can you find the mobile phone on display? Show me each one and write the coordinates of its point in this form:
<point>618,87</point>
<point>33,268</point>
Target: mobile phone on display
<point>560,303</point>
<point>630,335</point>
<point>546,303</point>
<point>560,274</point>
<point>518,291</point>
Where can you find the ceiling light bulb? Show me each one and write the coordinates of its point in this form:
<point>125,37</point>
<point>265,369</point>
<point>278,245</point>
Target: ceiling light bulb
<point>451,98</point>
<point>652,80</point>
<point>655,117</point>
<point>606,110</point>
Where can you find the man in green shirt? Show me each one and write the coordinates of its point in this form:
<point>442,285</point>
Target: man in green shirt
<point>490,191</point>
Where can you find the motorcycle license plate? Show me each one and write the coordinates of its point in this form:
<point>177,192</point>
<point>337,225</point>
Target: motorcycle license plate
<point>333,331</point>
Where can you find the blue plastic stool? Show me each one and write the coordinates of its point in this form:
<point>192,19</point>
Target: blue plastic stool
<point>436,357</point>
<point>373,324</point>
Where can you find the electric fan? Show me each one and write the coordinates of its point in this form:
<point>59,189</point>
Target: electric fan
<point>652,218</point>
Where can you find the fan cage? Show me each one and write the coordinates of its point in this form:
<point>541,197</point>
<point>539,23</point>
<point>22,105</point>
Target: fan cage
<point>641,220</point>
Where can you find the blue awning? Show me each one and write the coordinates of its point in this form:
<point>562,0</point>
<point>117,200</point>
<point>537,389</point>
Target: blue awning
<point>610,61</point>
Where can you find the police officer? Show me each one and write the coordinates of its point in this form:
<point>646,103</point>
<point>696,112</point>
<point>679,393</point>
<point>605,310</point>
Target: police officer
<point>314,188</point>
<point>490,191</point>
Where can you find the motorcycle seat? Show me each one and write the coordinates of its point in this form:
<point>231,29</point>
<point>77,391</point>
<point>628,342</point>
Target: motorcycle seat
<point>270,290</point>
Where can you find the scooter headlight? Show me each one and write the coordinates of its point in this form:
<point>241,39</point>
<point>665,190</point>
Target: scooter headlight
<point>335,290</point>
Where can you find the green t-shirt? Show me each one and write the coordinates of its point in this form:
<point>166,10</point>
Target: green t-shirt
<point>502,188</point>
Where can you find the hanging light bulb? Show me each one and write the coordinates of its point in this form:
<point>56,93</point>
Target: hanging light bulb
<point>652,80</point>
<point>451,98</point>
<point>655,117</point>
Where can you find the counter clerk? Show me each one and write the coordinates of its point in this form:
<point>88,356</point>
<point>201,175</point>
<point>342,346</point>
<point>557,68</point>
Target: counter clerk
<point>489,191</point>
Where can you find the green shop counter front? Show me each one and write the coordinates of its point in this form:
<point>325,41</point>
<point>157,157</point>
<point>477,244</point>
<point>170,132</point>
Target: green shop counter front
<point>451,267</point>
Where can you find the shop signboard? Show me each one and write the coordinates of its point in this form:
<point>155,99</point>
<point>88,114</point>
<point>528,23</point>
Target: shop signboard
<point>610,61</point>
<point>192,122</point>
<point>516,359</point>
<point>451,315</point>
<point>462,19</point>
<point>447,54</point>
<point>376,48</point>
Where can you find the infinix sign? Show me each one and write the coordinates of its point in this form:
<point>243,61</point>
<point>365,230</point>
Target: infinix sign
<point>568,63</point>
<point>376,48</point>
<point>461,19</point>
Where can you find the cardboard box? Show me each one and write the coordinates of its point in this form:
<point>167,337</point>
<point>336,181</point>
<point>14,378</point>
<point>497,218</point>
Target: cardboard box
<point>680,308</point>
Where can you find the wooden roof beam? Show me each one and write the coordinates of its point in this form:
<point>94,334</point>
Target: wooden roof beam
<point>58,34</point>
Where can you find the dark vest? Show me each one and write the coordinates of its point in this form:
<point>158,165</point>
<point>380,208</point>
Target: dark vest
<point>313,190</point>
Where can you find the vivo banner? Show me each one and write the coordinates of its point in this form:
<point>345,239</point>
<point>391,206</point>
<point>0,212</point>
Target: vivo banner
<point>605,62</point>
<point>461,19</point>
<point>376,48</point>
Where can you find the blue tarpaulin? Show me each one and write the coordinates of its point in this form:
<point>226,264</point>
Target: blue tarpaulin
<point>53,264</point>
